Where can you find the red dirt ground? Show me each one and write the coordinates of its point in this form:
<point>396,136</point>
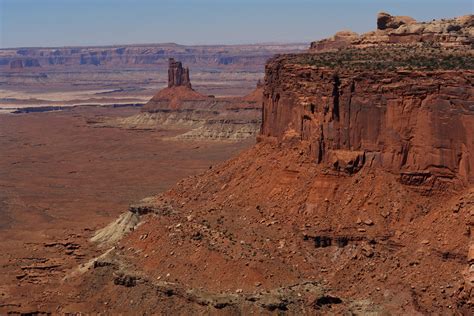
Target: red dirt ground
<point>61,179</point>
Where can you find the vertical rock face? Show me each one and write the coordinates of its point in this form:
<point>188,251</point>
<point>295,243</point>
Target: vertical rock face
<point>416,123</point>
<point>406,108</point>
<point>177,75</point>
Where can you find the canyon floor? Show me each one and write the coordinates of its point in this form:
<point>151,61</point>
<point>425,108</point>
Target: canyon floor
<point>62,178</point>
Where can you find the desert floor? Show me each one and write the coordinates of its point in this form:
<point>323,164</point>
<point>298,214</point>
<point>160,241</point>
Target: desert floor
<point>62,178</point>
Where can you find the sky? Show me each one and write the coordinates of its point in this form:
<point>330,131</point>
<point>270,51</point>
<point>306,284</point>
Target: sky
<point>46,23</point>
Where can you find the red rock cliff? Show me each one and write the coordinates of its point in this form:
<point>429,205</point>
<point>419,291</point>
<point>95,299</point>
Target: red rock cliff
<point>417,123</point>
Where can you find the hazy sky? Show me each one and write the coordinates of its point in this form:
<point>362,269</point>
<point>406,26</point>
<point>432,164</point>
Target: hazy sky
<point>103,22</point>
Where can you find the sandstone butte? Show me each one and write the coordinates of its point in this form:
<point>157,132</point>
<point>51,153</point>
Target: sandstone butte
<point>179,94</point>
<point>179,106</point>
<point>357,199</point>
<point>179,90</point>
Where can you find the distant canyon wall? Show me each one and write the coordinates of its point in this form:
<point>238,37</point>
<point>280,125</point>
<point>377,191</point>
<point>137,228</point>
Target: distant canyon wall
<point>249,56</point>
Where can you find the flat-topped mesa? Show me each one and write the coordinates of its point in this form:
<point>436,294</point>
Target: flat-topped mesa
<point>177,75</point>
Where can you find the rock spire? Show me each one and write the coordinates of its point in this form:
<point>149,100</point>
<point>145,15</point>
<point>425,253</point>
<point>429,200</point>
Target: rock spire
<point>177,75</point>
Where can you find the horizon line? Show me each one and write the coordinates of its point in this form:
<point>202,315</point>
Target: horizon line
<point>161,44</point>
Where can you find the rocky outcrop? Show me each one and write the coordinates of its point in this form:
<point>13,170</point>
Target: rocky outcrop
<point>456,32</point>
<point>178,92</point>
<point>177,75</point>
<point>339,40</point>
<point>387,21</point>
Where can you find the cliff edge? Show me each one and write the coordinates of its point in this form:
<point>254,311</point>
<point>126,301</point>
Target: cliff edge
<point>407,108</point>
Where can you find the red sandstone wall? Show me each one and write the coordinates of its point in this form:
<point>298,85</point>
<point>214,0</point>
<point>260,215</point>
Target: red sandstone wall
<point>416,123</point>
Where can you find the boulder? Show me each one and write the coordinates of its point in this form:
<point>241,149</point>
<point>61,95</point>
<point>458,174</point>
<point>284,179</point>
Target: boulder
<point>346,160</point>
<point>387,21</point>
<point>470,256</point>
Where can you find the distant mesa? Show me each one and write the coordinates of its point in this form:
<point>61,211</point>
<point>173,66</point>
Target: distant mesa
<point>245,57</point>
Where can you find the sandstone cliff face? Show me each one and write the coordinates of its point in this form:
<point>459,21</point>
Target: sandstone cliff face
<point>408,108</point>
<point>419,124</point>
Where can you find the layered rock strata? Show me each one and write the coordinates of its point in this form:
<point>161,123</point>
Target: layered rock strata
<point>420,124</point>
<point>407,108</point>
